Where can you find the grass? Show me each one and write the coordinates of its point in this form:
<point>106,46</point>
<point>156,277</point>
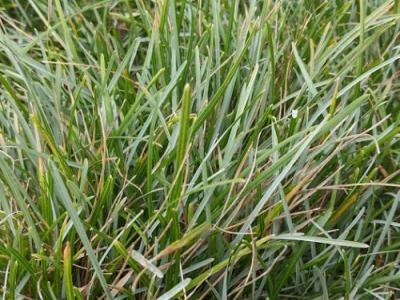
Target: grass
<point>199,149</point>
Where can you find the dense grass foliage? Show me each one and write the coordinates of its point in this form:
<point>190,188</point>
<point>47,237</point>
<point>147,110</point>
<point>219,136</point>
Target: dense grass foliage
<point>199,149</point>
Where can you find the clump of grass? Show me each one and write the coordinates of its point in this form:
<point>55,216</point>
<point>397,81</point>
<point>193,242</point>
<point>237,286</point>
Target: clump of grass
<point>199,149</point>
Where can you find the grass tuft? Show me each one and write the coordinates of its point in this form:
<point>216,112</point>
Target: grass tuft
<point>199,149</point>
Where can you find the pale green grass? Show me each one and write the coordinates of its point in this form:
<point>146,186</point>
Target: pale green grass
<point>199,149</point>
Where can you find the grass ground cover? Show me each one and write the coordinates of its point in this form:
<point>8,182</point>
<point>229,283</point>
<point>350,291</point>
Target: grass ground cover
<point>199,149</point>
